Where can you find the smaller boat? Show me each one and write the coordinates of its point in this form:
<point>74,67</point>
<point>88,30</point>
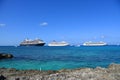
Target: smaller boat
<point>78,45</point>
<point>90,43</point>
<point>62,43</point>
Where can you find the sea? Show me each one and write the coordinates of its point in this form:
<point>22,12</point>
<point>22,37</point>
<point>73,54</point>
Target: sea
<point>57,58</point>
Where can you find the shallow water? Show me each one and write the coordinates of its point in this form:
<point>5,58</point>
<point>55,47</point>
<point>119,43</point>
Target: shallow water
<point>55,58</point>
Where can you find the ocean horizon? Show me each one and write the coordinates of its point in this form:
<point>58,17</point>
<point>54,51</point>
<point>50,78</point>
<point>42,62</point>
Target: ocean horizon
<point>56,58</point>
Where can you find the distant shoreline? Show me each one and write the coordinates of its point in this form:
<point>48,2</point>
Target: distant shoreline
<point>46,45</point>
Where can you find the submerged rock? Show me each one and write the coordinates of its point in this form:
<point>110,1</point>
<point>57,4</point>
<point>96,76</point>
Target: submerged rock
<point>5,56</point>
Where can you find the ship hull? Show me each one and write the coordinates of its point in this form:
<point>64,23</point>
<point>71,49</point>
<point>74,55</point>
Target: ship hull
<point>42,44</point>
<point>56,45</point>
<point>94,44</point>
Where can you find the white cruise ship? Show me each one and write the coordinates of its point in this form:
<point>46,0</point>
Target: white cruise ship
<point>90,43</point>
<point>62,43</point>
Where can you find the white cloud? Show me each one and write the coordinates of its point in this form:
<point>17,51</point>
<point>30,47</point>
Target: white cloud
<point>2,25</point>
<point>43,24</point>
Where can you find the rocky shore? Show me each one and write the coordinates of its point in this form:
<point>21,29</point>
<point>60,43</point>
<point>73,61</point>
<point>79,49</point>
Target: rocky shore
<point>110,73</point>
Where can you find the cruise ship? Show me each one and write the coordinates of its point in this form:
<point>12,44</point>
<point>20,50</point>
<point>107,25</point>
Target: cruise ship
<point>90,43</point>
<point>36,42</point>
<point>62,43</point>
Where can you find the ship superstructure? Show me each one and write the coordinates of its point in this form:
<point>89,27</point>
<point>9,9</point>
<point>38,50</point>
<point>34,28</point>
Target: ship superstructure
<point>62,43</point>
<point>90,43</point>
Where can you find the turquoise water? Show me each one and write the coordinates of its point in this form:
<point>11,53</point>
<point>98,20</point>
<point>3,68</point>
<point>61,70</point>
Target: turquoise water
<point>55,58</point>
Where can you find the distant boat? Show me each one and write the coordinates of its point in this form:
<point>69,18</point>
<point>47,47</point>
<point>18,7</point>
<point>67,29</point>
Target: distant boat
<point>90,43</point>
<point>36,42</point>
<point>15,46</point>
<point>62,43</point>
<point>78,45</point>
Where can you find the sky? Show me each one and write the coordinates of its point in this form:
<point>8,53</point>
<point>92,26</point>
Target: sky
<point>74,21</point>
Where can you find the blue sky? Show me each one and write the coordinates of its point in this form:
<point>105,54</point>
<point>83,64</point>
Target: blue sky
<point>74,21</point>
